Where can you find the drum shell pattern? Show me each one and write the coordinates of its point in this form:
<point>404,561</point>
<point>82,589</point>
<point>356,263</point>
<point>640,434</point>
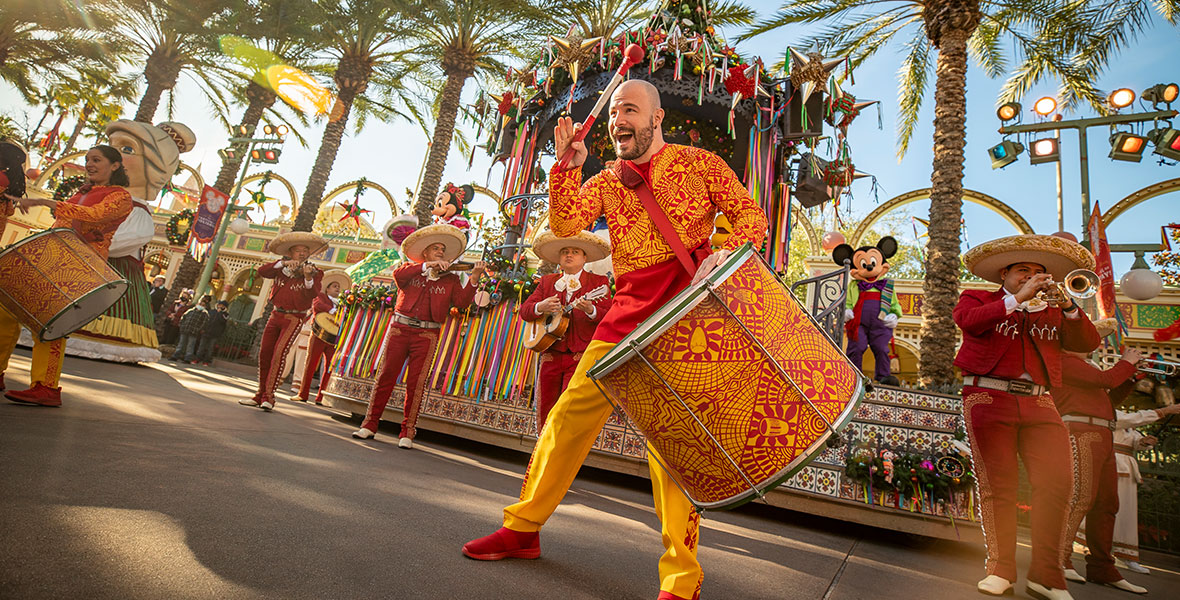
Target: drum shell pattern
<point>54,283</point>
<point>732,387</point>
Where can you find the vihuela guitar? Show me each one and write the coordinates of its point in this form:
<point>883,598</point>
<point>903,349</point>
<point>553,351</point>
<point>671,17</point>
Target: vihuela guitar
<point>539,335</point>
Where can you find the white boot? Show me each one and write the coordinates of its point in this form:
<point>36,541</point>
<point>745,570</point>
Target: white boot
<point>1041,592</point>
<point>994,585</point>
<point>1135,567</point>
<point>363,434</point>
<point>1072,575</point>
<point>267,406</point>
<point>1127,586</point>
<point>406,443</point>
<point>248,402</point>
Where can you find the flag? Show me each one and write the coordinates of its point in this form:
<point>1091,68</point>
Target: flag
<point>1104,269</point>
<point>209,212</point>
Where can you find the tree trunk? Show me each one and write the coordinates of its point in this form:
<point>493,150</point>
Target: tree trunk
<point>941,286</point>
<point>161,71</point>
<point>440,144</point>
<point>82,118</point>
<point>309,206</point>
<point>190,268</point>
<point>29,142</point>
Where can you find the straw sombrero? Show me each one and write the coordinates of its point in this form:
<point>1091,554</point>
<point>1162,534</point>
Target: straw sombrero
<point>1059,256</point>
<point>449,235</point>
<point>283,243</point>
<point>339,276</point>
<point>1106,326</point>
<point>548,246</point>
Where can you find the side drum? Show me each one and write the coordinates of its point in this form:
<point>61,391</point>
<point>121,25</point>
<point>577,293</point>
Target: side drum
<point>732,383</point>
<point>54,283</point>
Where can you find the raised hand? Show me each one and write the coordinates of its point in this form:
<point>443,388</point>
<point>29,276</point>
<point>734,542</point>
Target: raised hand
<point>563,136</point>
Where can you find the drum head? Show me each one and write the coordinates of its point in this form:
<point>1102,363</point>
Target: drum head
<point>83,310</point>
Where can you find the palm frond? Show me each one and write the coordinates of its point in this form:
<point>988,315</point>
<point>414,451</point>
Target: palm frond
<point>912,79</point>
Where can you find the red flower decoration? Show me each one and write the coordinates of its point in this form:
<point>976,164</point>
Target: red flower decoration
<point>738,83</point>
<point>505,103</point>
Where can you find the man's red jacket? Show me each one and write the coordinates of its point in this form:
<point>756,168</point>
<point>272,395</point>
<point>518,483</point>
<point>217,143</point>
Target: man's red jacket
<point>581,328</point>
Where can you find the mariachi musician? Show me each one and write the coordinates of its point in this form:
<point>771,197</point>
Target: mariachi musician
<point>654,260</point>
<point>333,283</point>
<point>1011,354</point>
<point>557,291</point>
<point>427,290</point>
<point>94,213</point>
<point>296,285</point>
<point>1086,399</point>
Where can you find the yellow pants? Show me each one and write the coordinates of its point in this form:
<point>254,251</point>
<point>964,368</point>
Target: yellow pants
<point>47,356</point>
<point>569,433</point>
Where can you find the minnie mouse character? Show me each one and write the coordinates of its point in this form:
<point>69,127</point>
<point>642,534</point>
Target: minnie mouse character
<point>450,206</point>
<point>871,310</point>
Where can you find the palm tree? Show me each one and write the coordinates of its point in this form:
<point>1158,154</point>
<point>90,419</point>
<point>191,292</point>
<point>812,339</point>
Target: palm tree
<point>49,39</point>
<point>99,94</point>
<point>364,40</point>
<point>457,40</point>
<point>1052,40</point>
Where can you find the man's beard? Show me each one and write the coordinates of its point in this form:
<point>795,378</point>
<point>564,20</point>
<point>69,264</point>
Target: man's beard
<point>640,141</point>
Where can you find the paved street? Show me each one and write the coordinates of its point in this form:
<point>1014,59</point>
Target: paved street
<point>153,482</point>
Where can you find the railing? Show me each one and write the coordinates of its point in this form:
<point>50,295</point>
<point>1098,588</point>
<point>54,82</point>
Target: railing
<point>826,300</point>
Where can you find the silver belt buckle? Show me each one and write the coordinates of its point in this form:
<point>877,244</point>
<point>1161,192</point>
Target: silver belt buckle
<point>1021,387</point>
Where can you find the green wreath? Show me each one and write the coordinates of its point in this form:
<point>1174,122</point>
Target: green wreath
<point>179,226</point>
<point>69,186</point>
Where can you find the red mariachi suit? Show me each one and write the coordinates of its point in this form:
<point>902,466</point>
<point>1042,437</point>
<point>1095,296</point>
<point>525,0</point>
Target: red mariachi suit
<point>425,300</point>
<point>1003,343</point>
<point>1083,392</point>
<point>317,349</point>
<point>94,215</point>
<point>559,362</point>
<point>291,297</point>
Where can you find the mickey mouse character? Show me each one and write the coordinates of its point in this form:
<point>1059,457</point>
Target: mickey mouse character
<point>871,310</point>
<point>449,206</point>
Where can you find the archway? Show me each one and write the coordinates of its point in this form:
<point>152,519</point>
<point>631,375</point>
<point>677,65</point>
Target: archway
<point>340,189</point>
<point>1007,212</point>
<point>1138,197</point>
<point>274,177</point>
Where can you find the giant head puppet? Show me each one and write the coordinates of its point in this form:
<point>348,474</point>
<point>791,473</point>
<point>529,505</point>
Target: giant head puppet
<point>871,310</point>
<point>151,155</point>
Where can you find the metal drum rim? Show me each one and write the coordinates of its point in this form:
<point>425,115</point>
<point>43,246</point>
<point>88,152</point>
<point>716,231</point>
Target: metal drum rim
<point>118,282</point>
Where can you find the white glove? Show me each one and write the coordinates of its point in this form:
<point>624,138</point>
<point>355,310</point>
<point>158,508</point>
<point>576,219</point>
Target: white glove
<point>848,314</point>
<point>890,320</point>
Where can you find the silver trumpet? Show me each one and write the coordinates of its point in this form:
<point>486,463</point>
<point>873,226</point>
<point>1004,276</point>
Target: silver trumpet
<point>1080,283</point>
<point>1155,366</point>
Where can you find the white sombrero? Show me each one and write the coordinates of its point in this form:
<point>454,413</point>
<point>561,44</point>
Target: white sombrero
<point>283,243</point>
<point>336,275</point>
<point>1106,326</point>
<point>1059,256</point>
<point>548,246</point>
<point>448,235</point>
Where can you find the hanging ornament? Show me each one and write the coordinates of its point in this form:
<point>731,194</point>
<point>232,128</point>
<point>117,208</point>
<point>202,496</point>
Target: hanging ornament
<point>572,53</point>
<point>504,102</point>
<point>810,72</point>
<point>353,209</point>
<point>843,107</point>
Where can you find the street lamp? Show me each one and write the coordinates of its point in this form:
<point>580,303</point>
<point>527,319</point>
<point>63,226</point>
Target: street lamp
<point>1141,283</point>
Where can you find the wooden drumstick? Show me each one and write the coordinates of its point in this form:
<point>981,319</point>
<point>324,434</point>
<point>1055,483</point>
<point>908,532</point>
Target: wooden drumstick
<point>631,57</point>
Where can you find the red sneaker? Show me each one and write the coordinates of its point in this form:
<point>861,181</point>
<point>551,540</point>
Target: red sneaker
<point>1,382</point>
<point>38,394</point>
<point>504,543</point>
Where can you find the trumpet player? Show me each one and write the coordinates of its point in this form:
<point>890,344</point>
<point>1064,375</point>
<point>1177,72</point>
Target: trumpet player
<point>1086,399</point>
<point>1011,355</point>
<point>296,285</point>
<point>426,293</point>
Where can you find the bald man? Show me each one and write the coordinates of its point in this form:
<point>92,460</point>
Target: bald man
<point>691,184</point>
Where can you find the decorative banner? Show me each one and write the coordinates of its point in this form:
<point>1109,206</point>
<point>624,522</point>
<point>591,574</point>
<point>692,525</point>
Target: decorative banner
<point>1104,269</point>
<point>372,265</point>
<point>209,211</point>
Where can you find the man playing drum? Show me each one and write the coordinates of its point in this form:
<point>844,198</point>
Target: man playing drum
<point>95,213</point>
<point>334,282</point>
<point>296,284</point>
<point>426,293</point>
<point>689,185</point>
<point>1011,355</point>
<point>555,292</point>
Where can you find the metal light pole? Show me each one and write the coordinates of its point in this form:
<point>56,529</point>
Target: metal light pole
<point>219,239</point>
<point>1080,125</point>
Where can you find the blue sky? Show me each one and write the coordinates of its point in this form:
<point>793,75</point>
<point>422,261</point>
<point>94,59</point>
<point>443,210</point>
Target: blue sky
<point>391,153</point>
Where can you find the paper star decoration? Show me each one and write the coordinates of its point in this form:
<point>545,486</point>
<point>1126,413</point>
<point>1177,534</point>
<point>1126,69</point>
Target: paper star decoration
<point>571,53</point>
<point>810,72</point>
<point>353,209</point>
<point>846,104</point>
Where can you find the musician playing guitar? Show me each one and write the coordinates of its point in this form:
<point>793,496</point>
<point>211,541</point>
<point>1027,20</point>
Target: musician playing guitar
<point>333,283</point>
<point>657,252</point>
<point>555,292</point>
<point>296,285</point>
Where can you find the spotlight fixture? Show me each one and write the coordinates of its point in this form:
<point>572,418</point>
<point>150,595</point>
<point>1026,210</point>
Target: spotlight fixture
<point>282,130</point>
<point>1127,146</point>
<point>1008,111</point>
<point>1045,106</point>
<point>230,154</point>
<point>1044,150</point>
<point>1121,98</point>
<point>265,155</point>
<point>1161,93</point>
<point>1004,153</point>
<point>1167,142</point>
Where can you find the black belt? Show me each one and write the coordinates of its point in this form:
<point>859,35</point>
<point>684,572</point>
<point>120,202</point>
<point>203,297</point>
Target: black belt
<point>1019,387</point>
<point>291,312</point>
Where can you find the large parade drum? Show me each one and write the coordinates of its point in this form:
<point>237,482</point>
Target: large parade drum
<point>733,384</point>
<point>54,283</point>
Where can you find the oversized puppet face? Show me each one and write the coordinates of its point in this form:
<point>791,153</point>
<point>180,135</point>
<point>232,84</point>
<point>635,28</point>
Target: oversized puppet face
<point>869,263</point>
<point>131,148</point>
